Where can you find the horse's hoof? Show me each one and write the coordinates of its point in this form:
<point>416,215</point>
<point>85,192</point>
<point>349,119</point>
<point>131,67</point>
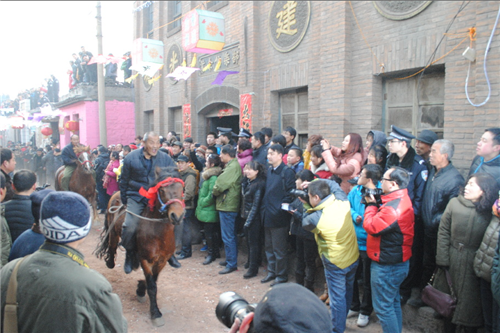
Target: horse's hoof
<point>141,299</point>
<point>157,322</point>
<point>110,264</point>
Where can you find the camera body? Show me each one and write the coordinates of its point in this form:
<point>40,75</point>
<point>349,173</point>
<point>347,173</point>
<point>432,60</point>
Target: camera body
<point>376,192</point>
<point>232,306</point>
<point>303,194</point>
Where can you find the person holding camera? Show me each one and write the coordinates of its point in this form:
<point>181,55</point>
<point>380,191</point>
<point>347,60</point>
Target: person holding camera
<point>306,250</point>
<point>368,183</point>
<point>389,245</point>
<point>330,220</point>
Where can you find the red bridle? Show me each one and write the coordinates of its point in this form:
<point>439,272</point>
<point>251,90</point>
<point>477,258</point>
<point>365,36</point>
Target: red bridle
<point>152,194</point>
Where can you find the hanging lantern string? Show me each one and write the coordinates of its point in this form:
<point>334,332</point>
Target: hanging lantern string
<point>470,34</point>
<point>203,4</point>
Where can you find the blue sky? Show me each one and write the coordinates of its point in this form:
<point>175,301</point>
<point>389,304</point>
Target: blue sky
<point>39,37</point>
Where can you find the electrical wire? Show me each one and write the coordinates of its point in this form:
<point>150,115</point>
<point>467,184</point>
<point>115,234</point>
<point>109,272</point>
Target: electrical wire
<point>484,68</point>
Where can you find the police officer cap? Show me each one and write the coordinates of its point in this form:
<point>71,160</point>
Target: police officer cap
<point>400,134</point>
<point>65,217</point>
<point>225,131</point>
<point>244,133</point>
<point>427,136</point>
<point>289,307</point>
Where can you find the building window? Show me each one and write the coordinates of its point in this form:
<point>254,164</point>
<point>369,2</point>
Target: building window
<point>175,120</point>
<point>413,105</point>
<point>148,21</point>
<point>294,112</point>
<point>216,5</point>
<point>174,16</point>
<point>149,124</point>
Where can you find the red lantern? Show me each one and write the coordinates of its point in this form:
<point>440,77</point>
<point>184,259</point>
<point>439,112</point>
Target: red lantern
<point>72,126</point>
<point>46,131</point>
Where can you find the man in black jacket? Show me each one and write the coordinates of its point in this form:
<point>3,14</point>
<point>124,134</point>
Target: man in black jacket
<point>18,210</point>
<point>8,166</point>
<point>259,148</point>
<point>100,164</point>
<point>138,171</point>
<point>444,183</point>
<point>280,181</point>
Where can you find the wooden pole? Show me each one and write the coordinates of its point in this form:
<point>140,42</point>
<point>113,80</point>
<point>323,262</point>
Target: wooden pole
<point>101,90</point>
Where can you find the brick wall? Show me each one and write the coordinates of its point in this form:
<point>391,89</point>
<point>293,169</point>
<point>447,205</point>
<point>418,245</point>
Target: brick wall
<point>344,79</point>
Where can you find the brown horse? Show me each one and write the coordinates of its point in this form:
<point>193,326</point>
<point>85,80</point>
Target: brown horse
<point>82,180</point>
<point>155,233</point>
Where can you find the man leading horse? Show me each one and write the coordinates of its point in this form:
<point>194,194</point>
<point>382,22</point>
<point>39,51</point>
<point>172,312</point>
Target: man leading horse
<point>138,171</point>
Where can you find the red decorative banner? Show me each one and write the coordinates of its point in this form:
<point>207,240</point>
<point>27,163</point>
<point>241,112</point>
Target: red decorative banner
<point>246,112</point>
<point>225,112</point>
<point>186,117</point>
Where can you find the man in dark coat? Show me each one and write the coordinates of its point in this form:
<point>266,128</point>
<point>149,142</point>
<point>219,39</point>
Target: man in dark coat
<point>259,148</point>
<point>280,181</point>
<point>488,154</point>
<point>444,183</point>
<point>52,161</point>
<point>38,166</point>
<point>138,171</point>
<point>8,166</point>
<point>69,160</point>
<point>404,156</point>
<point>100,164</point>
<point>18,210</point>
<point>111,70</point>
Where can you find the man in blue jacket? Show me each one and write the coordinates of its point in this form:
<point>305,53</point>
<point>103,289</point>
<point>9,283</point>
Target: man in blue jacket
<point>138,171</point>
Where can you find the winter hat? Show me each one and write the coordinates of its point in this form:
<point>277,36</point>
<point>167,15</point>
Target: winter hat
<point>36,202</point>
<point>183,158</point>
<point>289,307</point>
<point>65,217</point>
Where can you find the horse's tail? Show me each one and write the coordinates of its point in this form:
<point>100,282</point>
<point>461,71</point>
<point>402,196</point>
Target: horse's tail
<point>102,248</point>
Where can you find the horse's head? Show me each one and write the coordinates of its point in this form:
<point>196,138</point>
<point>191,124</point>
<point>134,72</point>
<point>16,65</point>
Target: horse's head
<point>171,201</point>
<point>85,161</point>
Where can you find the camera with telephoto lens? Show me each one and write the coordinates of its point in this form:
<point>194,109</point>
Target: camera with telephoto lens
<point>232,306</point>
<point>376,192</point>
<point>303,194</point>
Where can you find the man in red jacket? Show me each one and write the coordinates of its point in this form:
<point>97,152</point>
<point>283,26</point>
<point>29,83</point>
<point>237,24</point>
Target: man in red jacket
<point>390,237</point>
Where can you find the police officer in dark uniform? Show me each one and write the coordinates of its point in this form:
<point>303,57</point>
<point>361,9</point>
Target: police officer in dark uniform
<point>403,155</point>
<point>226,136</point>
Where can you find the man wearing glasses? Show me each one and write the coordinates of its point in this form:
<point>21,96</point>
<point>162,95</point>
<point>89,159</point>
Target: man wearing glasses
<point>403,155</point>
<point>389,245</point>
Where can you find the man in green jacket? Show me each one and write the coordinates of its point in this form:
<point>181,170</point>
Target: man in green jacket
<point>227,190</point>
<point>56,289</point>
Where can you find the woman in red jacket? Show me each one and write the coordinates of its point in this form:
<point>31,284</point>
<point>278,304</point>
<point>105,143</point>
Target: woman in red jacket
<point>346,161</point>
<point>113,164</point>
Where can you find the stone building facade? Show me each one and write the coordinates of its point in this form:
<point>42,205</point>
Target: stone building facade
<point>328,68</point>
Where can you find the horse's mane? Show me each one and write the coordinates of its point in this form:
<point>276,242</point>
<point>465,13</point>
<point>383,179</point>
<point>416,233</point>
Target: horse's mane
<point>166,172</point>
<point>81,148</point>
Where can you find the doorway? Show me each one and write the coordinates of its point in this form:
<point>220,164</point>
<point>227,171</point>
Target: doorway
<point>232,122</point>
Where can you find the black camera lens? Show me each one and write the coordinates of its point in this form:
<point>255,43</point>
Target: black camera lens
<point>231,306</point>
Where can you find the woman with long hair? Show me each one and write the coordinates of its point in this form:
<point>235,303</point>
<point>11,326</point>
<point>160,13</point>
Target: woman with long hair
<point>312,141</point>
<point>205,210</point>
<point>460,233</point>
<point>346,161</point>
<point>252,189</point>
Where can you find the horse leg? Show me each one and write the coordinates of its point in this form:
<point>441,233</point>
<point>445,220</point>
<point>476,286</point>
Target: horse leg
<point>113,245</point>
<point>141,291</point>
<point>151,275</point>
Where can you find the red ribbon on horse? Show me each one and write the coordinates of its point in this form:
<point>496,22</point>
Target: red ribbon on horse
<point>152,193</point>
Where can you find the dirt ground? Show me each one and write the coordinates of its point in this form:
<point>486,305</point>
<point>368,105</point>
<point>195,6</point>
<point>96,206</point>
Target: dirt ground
<point>187,296</point>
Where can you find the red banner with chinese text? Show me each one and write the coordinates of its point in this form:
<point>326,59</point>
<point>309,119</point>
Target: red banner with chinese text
<point>186,119</point>
<point>246,112</point>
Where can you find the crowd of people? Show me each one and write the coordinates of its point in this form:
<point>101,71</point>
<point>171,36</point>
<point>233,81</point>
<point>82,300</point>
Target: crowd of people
<point>83,70</point>
<point>48,92</point>
<point>380,221</point>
